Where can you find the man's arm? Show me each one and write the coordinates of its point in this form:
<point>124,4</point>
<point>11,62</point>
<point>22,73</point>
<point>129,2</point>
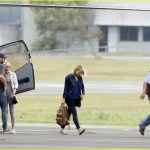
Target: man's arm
<point>142,96</point>
<point>3,81</point>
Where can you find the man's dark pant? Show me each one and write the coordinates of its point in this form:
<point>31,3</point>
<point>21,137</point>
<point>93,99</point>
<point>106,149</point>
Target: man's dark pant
<point>3,105</point>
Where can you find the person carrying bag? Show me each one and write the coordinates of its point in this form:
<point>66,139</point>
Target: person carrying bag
<point>72,96</point>
<point>12,86</point>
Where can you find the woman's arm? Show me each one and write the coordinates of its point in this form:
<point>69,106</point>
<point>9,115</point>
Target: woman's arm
<point>15,81</point>
<point>82,87</point>
<point>65,87</point>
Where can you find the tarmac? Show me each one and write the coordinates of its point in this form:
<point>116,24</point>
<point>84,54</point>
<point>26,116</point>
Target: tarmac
<point>48,136</point>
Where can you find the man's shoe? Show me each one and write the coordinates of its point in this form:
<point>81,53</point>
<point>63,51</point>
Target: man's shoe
<point>141,130</point>
<point>6,131</point>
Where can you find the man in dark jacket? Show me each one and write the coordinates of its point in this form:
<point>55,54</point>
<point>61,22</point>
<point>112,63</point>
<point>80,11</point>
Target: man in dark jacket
<point>3,100</point>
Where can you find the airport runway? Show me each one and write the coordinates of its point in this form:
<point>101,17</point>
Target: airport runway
<point>103,87</point>
<point>48,136</point>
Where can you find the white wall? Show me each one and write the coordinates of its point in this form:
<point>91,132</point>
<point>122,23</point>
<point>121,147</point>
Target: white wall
<point>29,32</point>
<point>112,38</point>
<point>9,33</point>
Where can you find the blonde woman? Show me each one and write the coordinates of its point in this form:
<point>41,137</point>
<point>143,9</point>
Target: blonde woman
<point>12,85</point>
<point>73,91</point>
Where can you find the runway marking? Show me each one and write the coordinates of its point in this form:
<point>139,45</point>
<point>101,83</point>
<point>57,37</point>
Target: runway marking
<point>41,140</point>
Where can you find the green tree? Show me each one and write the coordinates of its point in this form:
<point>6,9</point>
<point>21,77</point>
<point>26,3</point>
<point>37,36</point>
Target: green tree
<point>50,21</point>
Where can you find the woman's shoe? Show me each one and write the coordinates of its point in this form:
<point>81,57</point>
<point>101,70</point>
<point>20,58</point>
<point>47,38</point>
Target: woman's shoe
<point>63,133</point>
<point>12,131</point>
<point>82,131</point>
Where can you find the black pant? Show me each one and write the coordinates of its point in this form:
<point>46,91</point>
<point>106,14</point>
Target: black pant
<point>72,110</point>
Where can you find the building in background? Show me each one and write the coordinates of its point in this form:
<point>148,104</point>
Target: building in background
<point>17,23</point>
<point>124,30</point>
<point>29,31</point>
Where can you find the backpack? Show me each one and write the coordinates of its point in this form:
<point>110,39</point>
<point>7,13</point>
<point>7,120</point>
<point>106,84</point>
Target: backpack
<point>62,117</point>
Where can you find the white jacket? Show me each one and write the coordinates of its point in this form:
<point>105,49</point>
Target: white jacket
<point>14,81</point>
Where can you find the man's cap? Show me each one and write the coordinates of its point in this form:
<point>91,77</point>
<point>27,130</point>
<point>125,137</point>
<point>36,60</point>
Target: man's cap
<point>2,55</point>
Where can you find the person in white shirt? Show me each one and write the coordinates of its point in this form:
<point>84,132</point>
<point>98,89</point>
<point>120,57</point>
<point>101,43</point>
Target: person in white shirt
<point>146,91</point>
<point>12,86</point>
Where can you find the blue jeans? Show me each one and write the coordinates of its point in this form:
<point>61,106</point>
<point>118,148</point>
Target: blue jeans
<point>145,122</point>
<point>3,105</point>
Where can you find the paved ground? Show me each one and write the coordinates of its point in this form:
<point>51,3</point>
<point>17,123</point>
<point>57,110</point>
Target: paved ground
<point>47,136</point>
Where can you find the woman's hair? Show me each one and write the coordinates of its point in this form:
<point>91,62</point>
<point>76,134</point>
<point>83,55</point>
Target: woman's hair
<point>2,69</point>
<point>7,64</point>
<point>79,68</point>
